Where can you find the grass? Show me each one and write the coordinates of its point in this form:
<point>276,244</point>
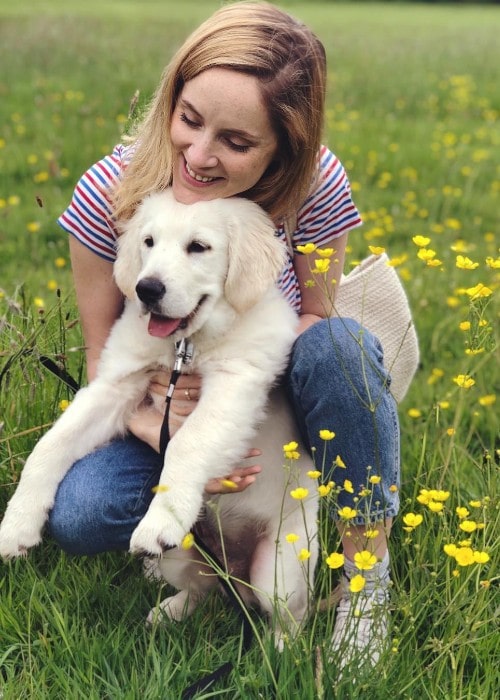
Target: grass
<point>413,113</point>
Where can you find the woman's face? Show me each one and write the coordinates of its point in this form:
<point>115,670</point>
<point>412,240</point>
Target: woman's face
<point>221,136</point>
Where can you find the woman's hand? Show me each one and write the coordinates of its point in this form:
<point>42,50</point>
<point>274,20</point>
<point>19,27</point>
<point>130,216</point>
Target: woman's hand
<point>146,424</point>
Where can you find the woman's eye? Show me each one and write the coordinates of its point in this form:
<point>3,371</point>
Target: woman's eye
<point>149,242</point>
<point>238,147</point>
<point>184,118</point>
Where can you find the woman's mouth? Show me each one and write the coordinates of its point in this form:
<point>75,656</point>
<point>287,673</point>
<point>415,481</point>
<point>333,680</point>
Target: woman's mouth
<point>198,178</point>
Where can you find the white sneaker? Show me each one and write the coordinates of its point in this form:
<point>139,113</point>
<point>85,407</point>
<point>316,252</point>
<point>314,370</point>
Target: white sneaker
<point>361,628</point>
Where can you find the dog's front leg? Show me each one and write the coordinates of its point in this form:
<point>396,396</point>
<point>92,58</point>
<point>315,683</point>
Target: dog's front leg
<point>211,441</point>
<point>97,414</point>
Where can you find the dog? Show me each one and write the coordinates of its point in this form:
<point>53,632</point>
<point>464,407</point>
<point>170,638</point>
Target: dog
<point>205,272</point>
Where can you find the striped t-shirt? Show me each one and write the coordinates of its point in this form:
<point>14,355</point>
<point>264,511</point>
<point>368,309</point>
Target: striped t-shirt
<point>327,213</point>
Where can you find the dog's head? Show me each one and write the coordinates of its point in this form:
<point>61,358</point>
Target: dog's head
<point>179,260</point>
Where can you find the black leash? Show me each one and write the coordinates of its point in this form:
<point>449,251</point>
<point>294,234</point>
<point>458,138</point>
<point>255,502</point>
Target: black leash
<point>184,355</point>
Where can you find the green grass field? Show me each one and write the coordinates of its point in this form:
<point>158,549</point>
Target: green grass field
<point>414,100</point>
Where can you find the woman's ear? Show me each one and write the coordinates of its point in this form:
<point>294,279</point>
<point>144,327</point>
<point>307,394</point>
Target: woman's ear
<point>256,255</point>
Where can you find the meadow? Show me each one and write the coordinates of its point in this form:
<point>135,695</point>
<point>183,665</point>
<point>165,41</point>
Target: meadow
<point>413,113</point>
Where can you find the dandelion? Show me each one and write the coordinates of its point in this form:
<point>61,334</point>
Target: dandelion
<point>465,263</point>
<point>63,404</point>
<point>468,526</point>
<point>412,520</point>
<point>291,538</point>
<point>357,583</point>
<point>464,381</point>
<point>335,560</point>
<point>365,560</point>
<point>347,513</point>
<point>299,493</point>
<point>303,555</point>
<point>326,434</point>
<point>188,541</point>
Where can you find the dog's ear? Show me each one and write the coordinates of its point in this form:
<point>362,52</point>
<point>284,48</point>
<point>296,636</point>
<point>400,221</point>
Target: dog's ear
<point>128,260</point>
<point>256,255</point>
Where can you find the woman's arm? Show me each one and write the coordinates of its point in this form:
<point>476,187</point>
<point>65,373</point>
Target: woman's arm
<point>316,303</point>
<point>100,302</point>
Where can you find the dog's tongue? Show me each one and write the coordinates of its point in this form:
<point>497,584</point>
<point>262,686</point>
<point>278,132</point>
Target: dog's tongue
<point>161,327</point>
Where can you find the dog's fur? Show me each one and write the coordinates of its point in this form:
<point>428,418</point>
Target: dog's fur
<point>212,266</point>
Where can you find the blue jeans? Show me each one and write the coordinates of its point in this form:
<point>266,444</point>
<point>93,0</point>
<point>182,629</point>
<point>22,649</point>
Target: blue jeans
<point>335,380</point>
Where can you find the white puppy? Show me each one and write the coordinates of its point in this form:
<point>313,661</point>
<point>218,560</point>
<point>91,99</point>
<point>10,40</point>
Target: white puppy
<point>205,272</point>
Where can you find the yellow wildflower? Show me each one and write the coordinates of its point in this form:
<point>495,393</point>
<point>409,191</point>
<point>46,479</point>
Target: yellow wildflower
<point>347,513</point>
<point>464,556</point>
<point>376,249</point>
<point>188,541</point>
<point>160,488</point>
<point>339,462</point>
<point>325,489</point>
<point>450,549</point>
<point>464,381</point>
<point>375,479</point>
<point>421,241</point>
<point>480,290</point>
<point>306,249</point>
<point>365,560</point>
<point>290,450</point>
<point>303,555</point>
<point>325,252</point>
<point>335,560</point>
<point>313,474</point>
<point>461,512</point>
<point>63,404</point>
<point>465,263</point>
<point>371,533</point>
<point>326,434</point>
<point>321,266</point>
<point>464,326</point>
<point>348,486</point>
<point>475,504</point>
<point>426,254</point>
<point>414,413</point>
<point>493,263</point>
<point>299,493</point>
<point>481,557</point>
<point>291,537</point>
<point>357,583</point>
<point>487,400</point>
<point>435,506</point>
<point>468,526</point>
<point>412,520</point>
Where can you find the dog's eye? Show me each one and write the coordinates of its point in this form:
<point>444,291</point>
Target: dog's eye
<point>197,247</point>
<point>149,242</point>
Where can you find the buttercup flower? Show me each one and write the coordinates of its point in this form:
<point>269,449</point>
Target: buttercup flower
<point>365,560</point>
<point>326,434</point>
<point>335,560</point>
<point>63,404</point>
<point>325,252</point>
<point>313,474</point>
<point>371,533</point>
<point>468,526</point>
<point>464,381</point>
<point>290,450</point>
<point>464,556</point>
<point>375,479</point>
<point>481,557</point>
<point>291,537</point>
<point>421,241</point>
<point>299,493</point>
<point>303,555</point>
<point>188,541</point>
<point>461,512</point>
<point>347,513</point>
<point>348,486</point>
<point>412,520</point>
<point>487,400</point>
<point>325,489</point>
<point>321,266</point>
<point>357,583</point>
<point>480,290</point>
<point>306,249</point>
<point>465,263</point>
<point>376,249</point>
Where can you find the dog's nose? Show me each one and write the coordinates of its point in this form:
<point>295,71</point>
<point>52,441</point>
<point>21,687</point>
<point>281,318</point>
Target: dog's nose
<point>150,290</point>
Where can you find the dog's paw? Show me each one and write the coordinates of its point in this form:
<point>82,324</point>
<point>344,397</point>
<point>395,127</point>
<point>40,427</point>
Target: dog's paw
<point>176,607</point>
<point>156,533</point>
<point>15,542</point>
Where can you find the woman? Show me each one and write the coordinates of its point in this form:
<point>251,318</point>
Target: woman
<point>239,111</point>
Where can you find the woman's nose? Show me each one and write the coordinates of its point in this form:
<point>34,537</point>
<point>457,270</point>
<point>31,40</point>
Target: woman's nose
<point>201,153</point>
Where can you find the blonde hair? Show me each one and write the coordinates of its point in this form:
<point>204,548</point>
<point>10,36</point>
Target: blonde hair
<point>288,60</point>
